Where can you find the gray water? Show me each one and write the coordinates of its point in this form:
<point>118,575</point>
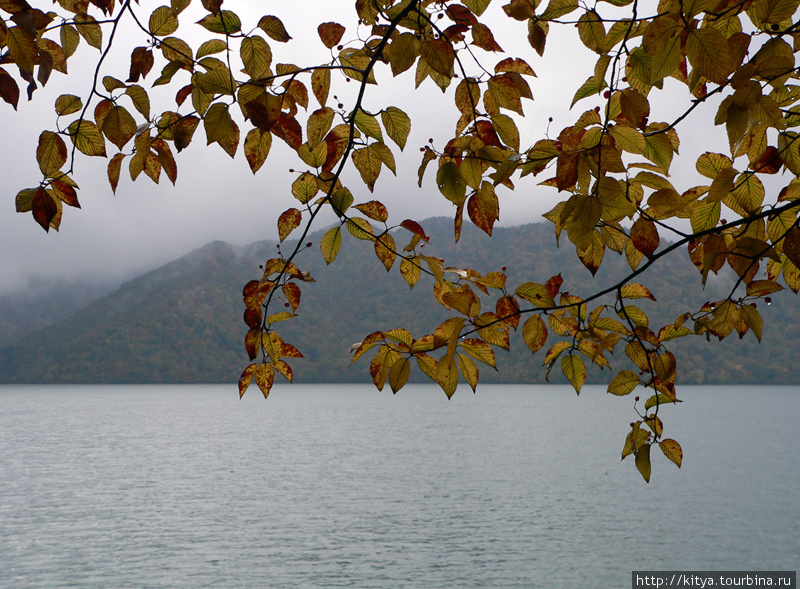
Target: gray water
<point>344,486</point>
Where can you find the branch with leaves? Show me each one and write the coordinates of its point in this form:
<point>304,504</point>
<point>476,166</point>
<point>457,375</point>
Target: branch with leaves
<point>612,164</point>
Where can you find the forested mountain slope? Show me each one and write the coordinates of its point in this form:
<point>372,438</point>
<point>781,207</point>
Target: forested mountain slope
<point>183,322</point>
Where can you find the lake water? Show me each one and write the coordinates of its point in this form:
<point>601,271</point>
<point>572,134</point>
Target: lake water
<point>344,486</point>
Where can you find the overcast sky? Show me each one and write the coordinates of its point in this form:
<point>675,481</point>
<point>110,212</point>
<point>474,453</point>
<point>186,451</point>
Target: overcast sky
<point>145,225</point>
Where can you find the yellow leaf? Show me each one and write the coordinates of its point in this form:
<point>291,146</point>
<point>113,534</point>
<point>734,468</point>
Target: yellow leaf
<point>534,333</point>
<point>636,291</point>
<point>574,369</point>
<point>672,450</point>
<point>410,271</point>
<point>707,50</point>
<point>643,461</point>
<point>87,138</point>
<point>264,377</point>
<point>469,370</point>
<point>51,153</point>
<point>479,350</point>
<point>397,125</point>
<point>360,228</point>
<point>537,294</point>
<point>623,383</point>
<point>256,148</point>
<point>368,125</point>
<point>331,243</point>
<point>385,249</point>
<point>305,187</point>
<point>398,373</point>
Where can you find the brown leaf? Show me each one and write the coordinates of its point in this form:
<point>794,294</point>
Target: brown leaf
<point>141,63</point>
<point>644,236</point>
<point>9,90</point>
<point>330,33</point>
<point>289,220</point>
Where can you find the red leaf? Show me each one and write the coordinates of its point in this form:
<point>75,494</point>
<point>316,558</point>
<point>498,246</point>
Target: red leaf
<point>770,162</point>
<point>415,228</point>
<point>288,129</point>
<point>644,236</point>
<point>487,134</point>
<point>44,208</point>
<point>9,90</point>
<point>554,284</point>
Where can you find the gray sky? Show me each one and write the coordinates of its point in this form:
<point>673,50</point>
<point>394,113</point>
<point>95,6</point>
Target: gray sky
<point>145,225</point>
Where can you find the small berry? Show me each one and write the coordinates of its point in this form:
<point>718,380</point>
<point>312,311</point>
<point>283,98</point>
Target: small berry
<point>550,120</point>
<point>723,221</point>
<point>422,149</point>
<point>768,300</point>
<point>625,79</point>
<point>308,244</point>
<point>340,47</point>
<point>286,305</point>
<point>596,109</point>
<point>503,268</point>
<point>606,94</point>
<point>636,398</point>
<point>291,170</point>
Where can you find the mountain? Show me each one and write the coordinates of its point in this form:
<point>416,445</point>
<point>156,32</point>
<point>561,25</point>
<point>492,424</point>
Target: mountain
<point>183,322</point>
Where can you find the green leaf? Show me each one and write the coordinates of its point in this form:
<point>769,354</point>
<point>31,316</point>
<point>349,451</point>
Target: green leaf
<point>256,56</point>
<point>67,104</point>
<point>211,47</point>
<point>163,21</point>
<point>89,29</point>
<point>273,27</point>
<point>224,23</point>
<point>451,183</point>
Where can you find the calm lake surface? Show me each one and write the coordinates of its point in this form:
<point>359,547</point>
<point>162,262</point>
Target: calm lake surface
<point>344,486</point>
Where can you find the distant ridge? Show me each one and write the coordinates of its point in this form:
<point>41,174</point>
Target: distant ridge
<point>182,322</point>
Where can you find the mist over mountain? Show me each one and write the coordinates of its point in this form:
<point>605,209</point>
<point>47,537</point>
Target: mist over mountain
<point>183,321</point>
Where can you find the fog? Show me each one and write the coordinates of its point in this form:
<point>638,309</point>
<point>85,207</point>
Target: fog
<point>115,237</point>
